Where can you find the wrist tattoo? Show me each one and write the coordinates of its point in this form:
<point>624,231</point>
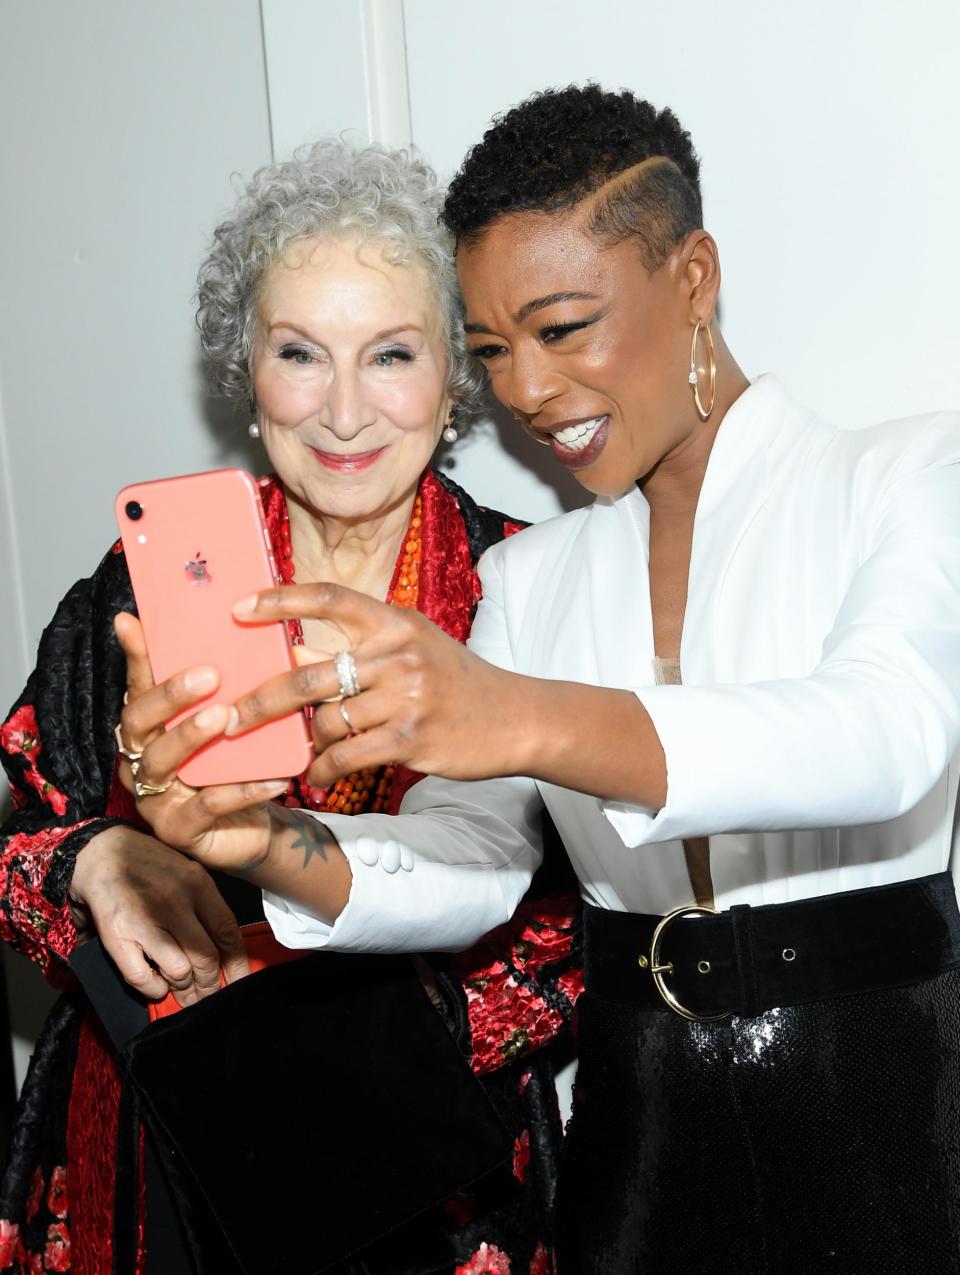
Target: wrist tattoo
<point>313,838</point>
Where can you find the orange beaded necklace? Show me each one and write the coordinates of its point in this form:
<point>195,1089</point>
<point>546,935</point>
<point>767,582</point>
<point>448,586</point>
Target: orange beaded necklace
<point>367,789</point>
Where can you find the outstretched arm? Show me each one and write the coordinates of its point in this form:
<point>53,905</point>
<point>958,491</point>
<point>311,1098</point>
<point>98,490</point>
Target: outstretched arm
<point>439,708</point>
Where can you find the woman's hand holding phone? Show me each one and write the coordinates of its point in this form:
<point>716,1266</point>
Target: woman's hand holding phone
<point>226,826</point>
<point>423,700</point>
<point>236,828</point>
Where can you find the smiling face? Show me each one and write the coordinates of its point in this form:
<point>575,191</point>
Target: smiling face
<point>349,375</point>
<point>586,347</point>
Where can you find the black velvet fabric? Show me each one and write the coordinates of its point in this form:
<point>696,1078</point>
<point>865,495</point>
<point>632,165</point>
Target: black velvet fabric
<point>79,696</point>
<point>46,1088</point>
<point>305,1068</point>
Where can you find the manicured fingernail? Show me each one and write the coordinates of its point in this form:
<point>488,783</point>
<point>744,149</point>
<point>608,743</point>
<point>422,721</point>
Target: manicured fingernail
<point>203,678</point>
<point>210,716</point>
<point>245,605</point>
<point>233,721</point>
<point>275,786</point>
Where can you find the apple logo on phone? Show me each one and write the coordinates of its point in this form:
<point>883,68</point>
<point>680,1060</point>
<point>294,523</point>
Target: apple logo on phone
<point>196,571</point>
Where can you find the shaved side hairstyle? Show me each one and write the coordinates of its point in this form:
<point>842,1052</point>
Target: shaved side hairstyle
<point>636,165</point>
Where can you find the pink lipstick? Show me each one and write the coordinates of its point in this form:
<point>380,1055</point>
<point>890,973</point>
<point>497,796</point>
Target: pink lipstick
<point>349,463</point>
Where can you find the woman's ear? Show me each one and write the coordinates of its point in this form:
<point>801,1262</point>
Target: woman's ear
<point>700,262</point>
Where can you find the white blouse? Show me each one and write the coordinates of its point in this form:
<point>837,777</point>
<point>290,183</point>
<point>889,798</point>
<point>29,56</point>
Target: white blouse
<point>814,739</point>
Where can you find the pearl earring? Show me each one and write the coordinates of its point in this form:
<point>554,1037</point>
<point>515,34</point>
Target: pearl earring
<point>450,434</point>
<point>253,429</point>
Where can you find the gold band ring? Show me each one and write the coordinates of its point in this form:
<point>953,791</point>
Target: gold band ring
<point>149,790</point>
<point>346,719</point>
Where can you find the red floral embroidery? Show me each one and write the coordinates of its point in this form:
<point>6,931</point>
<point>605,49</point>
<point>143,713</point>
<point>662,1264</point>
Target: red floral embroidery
<point>26,851</point>
<point>487,1260</point>
<point>449,586</point>
<point>57,1194</point>
<point>30,921</point>
<point>544,939</point>
<point>52,796</point>
<point>542,1262</point>
<point>571,984</point>
<point>506,1019</point>
<point>9,1242</point>
<point>36,1194</point>
<point>20,734</point>
<point>56,1256</point>
<point>40,927</point>
<point>506,979</point>
<point>521,1156</point>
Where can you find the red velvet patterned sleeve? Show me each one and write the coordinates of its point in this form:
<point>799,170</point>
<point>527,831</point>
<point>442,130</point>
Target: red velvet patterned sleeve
<point>37,850</point>
<point>28,919</point>
<point>58,752</point>
<point>522,981</point>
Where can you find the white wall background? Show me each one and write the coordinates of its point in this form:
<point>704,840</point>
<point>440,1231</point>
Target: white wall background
<point>122,125</point>
<point>828,137</point>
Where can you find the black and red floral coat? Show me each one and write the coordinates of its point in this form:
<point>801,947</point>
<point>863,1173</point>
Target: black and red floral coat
<point>505,999</point>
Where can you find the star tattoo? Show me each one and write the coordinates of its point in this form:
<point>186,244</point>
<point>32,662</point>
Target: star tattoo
<point>312,837</point>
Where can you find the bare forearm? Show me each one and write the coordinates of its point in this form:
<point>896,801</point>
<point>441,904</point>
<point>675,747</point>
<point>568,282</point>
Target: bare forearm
<point>304,863</point>
<point>589,738</point>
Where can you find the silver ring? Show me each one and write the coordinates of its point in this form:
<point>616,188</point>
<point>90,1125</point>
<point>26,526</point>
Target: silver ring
<point>149,790</point>
<point>346,719</point>
<point>346,667</point>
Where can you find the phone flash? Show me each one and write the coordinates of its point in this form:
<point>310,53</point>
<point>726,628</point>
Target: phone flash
<point>141,539</point>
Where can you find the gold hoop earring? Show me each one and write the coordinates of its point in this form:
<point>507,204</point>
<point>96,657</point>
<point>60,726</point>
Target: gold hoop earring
<point>694,377</point>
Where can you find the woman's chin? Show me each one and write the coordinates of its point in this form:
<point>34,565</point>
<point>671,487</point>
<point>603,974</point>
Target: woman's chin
<point>353,498</point>
<point>604,479</point>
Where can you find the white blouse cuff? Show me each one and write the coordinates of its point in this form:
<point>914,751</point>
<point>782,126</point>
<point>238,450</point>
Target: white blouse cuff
<point>687,738</point>
<point>399,902</point>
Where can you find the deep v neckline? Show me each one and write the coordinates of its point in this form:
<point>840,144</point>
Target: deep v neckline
<point>696,850</point>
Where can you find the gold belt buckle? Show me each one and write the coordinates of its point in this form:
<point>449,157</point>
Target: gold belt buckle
<point>658,970</point>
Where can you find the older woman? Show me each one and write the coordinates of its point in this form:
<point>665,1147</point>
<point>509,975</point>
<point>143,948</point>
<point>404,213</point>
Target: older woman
<point>770,1037</point>
<point>330,303</point>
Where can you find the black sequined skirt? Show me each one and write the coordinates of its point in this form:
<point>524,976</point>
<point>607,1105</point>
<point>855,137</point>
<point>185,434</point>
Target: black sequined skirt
<point>822,1137</point>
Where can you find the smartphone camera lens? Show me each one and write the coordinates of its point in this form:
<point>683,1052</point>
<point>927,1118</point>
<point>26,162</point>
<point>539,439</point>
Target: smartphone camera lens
<point>134,510</point>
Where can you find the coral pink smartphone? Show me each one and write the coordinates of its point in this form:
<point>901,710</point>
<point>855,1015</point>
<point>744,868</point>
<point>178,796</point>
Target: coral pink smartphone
<point>194,546</point>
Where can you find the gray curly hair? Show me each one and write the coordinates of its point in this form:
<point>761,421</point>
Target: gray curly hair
<point>328,189</point>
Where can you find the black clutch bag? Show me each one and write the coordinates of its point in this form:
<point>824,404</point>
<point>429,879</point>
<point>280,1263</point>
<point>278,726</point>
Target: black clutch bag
<point>312,1111</point>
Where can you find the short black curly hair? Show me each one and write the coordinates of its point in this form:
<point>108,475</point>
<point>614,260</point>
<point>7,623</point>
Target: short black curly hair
<point>562,145</point>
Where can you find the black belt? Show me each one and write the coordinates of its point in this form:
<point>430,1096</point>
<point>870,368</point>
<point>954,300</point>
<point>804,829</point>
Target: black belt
<point>705,964</point>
